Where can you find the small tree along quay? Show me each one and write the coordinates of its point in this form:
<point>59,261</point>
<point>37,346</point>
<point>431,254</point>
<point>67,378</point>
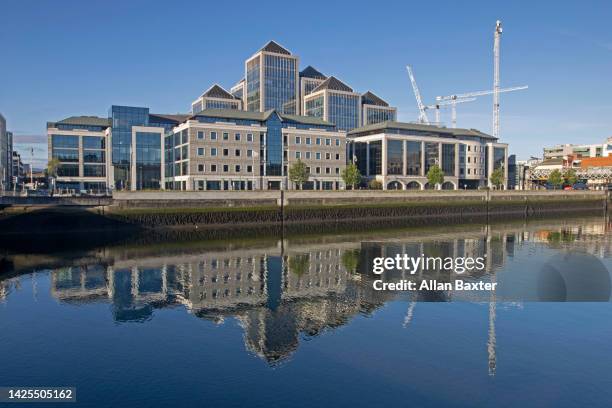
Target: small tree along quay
<point>555,178</point>
<point>497,177</point>
<point>298,173</point>
<point>52,167</point>
<point>570,177</point>
<point>351,175</point>
<point>435,176</point>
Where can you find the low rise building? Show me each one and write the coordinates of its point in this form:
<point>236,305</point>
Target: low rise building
<point>399,155</point>
<point>578,151</point>
<point>81,145</point>
<point>237,150</point>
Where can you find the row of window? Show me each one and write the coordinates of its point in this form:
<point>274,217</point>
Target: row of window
<point>225,136</point>
<point>318,140</point>
<point>476,172</point>
<point>317,155</point>
<point>225,168</point>
<point>214,152</point>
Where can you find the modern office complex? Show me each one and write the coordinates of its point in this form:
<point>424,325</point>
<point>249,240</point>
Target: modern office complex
<point>399,155</point>
<point>248,138</point>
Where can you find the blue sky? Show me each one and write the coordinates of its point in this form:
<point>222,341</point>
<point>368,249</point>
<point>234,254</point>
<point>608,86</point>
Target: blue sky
<point>62,58</point>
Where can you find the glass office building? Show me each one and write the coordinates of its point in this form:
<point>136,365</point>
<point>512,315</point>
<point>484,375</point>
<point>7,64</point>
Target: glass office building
<point>272,80</point>
<point>148,160</point>
<point>335,102</point>
<point>123,118</point>
<point>376,110</point>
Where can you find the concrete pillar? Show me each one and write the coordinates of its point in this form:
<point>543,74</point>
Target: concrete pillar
<point>368,159</point>
<point>404,158</point>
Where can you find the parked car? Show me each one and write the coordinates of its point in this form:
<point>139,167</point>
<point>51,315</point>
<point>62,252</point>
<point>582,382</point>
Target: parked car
<point>580,186</point>
<point>567,188</point>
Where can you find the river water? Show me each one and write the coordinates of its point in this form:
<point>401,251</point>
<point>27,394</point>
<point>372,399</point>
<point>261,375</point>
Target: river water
<point>294,321</point>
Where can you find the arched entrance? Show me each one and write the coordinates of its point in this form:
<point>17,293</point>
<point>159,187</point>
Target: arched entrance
<point>413,185</point>
<point>447,185</point>
<point>394,185</point>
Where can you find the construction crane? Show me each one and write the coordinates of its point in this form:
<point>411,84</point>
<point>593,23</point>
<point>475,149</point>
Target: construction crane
<point>496,41</point>
<point>422,114</point>
<point>478,93</point>
<point>453,104</point>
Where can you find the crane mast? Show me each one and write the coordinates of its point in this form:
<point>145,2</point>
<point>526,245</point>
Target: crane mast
<point>422,115</point>
<point>496,41</point>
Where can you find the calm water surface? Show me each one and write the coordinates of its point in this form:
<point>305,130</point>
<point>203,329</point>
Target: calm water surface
<point>294,322</point>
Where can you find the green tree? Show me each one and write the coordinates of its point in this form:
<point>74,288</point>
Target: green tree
<point>351,175</point>
<point>555,178</point>
<point>435,176</point>
<point>350,260</point>
<point>570,177</point>
<point>298,173</point>
<point>497,177</point>
<point>52,167</point>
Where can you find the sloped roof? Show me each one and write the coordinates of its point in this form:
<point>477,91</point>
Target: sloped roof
<point>217,91</point>
<point>274,47</point>
<point>85,121</point>
<point>259,116</point>
<point>455,132</point>
<point>310,72</point>
<point>370,98</point>
<point>178,118</point>
<point>333,83</point>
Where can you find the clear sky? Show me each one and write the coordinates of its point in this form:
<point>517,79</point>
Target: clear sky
<point>62,58</point>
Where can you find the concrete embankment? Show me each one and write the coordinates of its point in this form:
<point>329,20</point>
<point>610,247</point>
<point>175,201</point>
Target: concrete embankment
<point>207,209</point>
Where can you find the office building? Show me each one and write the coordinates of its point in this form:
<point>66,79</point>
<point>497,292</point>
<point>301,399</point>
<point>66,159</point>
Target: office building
<point>216,97</point>
<point>310,78</point>
<point>81,145</point>
<point>219,149</point>
<point>399,155</point>
<point>335,102</point>
<point>376,110</point>
<point>578,151</point>
<point>272,80</point>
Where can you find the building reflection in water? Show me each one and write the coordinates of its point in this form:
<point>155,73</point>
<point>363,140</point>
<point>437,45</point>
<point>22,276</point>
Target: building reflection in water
<point>285,290</point>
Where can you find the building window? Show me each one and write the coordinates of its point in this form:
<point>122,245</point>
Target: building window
<point>225,168</point>
<point>249,169</point>
<point>213,151</point>
<point>200,167</point>
<point>298,140</point>
<point>237,137</point>
<point>327,170</point>
<point>308,155</point>
<point>318,155</point>
<point>249,137</point>
<point>327,142</point>
<point>200,135</point>
<point>237,152</point>
<point>318,170</point>
<point>337,170</point>
<point>318,141</point>
<point>213,168</point>
<point>249,153</point>
<point>337,142</point>
<point>200,151</point>
<point>213,135</point>
<point>298,155</point>
<point>307,140</point>
<point>327,156</point>
<point>226,152</point>
<point>225,136</point>
<point>337,156</point>
<point>237,168</point>
<point>395,157</point>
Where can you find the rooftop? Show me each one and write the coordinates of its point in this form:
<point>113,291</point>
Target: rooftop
<point>216,91</point>
<point>454,132</point>
<point>82,121</point>
<point>334,84</point>
<point>274,47</point>
<point>260,116</point>
<point>370,98</point>
<point>178,118</point>
<point>310,72</point>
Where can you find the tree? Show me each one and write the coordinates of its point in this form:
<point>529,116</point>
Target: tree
<point>350,260</point>
<point>298,173</point>
<point>555,178</point>
<point>435,176</point>
<point>52,167</point>
<point>497,177</point>
<point>570,177</point>
<point>299,264</point>
<point>351,175</point>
